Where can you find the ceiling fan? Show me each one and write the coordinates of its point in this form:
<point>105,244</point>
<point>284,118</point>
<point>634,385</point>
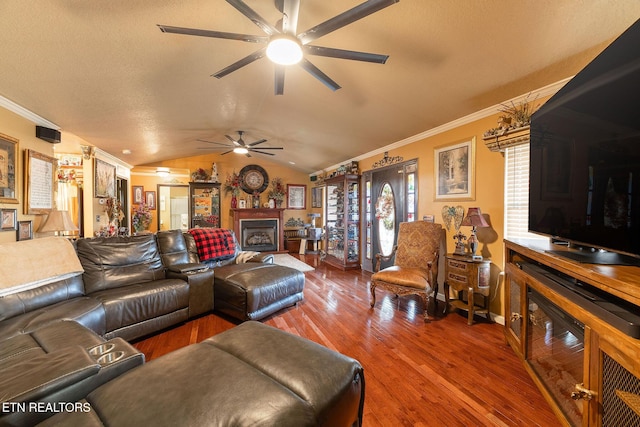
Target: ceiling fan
<point>238,146</point>
<point>287,47</point>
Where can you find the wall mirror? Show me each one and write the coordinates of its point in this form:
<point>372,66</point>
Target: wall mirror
<point>173,207</point>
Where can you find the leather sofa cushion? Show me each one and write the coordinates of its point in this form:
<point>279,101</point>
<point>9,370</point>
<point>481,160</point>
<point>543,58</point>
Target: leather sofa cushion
<point>198,385</point>
<point>87,311</point>
<point>42,296</point>
<point>173,247</point>
<point>46,339</point>
<point>112,262</point>
<point>136,303</point>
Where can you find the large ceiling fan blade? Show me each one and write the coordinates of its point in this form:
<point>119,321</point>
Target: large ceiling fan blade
<point>253,144</point>
<point>267,148</point>
<point>268,154</point>
<point>210,33</point>
<point>241,63</point>
<point>315,72</point>
<point>279,79</point>
<point>226,152</point>
<point>237,143</point>
<point>243,8</point>
<point>214,142</point>
<point>290,10</point>
<point>345,54</point>
<point>345,18</point>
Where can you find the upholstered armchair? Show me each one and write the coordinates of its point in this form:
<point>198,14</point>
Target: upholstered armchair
<point>415,269</point>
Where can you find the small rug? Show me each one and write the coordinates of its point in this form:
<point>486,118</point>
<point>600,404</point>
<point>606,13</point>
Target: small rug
<point>289,261</point>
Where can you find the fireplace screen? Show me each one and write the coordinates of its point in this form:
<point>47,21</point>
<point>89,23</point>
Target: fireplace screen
<point>259,235</point>
<point>555,351</point>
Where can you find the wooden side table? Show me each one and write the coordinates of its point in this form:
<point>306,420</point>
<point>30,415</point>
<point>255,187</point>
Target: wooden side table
<point>471,276</point>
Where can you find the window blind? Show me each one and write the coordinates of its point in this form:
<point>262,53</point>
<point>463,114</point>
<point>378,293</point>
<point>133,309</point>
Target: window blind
<point>516,222</point>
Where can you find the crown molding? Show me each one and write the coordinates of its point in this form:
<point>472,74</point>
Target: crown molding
<point>23,112</point>
<point>478,115</point>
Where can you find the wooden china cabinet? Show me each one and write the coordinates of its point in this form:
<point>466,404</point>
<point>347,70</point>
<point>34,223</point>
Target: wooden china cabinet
<point>204,204</point>
<point>342,241</point>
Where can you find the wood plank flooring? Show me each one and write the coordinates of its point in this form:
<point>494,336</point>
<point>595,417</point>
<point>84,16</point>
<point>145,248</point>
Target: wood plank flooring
<point>443,373</point>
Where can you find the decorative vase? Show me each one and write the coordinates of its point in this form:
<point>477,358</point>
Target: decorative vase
<point>256,202</point>
<point>234,202</point>
<point>272,203</point>
<point>278,204</point>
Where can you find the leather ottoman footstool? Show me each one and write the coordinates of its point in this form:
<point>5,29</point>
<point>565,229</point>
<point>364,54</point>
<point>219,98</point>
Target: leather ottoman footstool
<point>252,291</point>
<point>253,374</point>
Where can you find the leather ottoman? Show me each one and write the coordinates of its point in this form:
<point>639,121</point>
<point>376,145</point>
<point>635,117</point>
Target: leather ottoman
<point>252,291</point>
<point>253,374</point>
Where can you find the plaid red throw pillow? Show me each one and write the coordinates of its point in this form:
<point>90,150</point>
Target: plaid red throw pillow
<point>214,243</point>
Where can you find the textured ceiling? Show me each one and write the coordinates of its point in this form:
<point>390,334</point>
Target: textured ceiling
<point>103,71</point>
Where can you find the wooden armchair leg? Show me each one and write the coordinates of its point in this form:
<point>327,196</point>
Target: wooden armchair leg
<point>372,289</point>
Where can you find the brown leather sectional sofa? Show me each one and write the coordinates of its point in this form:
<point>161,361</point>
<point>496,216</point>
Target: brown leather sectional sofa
<point>64,344</point>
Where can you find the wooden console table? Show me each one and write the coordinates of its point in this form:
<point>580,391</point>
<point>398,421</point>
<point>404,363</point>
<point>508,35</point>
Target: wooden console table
<point>261,213</point>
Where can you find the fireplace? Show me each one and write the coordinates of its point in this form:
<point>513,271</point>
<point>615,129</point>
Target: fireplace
<point>555,351</point>
<point>259,235</point>
<point>259,229</point>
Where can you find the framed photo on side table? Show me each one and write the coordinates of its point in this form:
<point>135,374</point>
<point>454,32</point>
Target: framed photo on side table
<point>8,164</point>
<point>296,196</point>
<point>454,167</point>
<point>25,230</point>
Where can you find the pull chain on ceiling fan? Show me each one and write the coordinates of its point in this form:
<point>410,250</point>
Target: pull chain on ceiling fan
<point>284,38</point>
<point>238,146</point>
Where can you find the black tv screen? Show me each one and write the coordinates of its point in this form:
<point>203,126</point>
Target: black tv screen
<point>585,156</point>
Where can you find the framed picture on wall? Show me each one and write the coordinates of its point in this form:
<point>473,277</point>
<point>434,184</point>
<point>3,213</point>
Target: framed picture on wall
<point>8,219</point>
<point>25,230</point>
<point>39,179</point>
<point>138,194</point>
<point>105,179</point>
<point>150,198</point>
<point>296,196</point>
<point>316,197</point>
<point>454,167</point>
<point>8,164</point>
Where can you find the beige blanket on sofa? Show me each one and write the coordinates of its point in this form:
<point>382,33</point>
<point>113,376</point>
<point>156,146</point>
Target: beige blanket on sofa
<point>31,263</point>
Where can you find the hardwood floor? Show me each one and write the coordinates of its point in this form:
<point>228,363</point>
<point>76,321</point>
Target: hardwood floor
<point>443,373</point>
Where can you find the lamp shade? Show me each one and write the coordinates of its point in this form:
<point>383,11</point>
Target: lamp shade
<point>58,221</point>
<point>474,218</point>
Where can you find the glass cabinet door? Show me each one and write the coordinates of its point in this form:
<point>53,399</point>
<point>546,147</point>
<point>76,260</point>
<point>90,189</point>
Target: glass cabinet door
<point>343,222</point>
<point>335,220</point>
<point>204,207</point>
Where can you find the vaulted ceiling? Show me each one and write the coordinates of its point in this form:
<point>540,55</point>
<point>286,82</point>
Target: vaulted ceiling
<point>103,70</point>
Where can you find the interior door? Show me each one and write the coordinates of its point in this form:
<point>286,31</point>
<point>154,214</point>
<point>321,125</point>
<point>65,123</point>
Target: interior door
<point>388,210</point>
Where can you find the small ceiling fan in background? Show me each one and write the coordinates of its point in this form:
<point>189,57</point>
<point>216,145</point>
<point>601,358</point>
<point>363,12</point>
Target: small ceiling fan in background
<point>285,46</point>
<point>238,146</point>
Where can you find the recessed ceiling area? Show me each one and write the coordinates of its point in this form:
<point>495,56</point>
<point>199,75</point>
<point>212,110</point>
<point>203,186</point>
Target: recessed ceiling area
<point>104,72</point>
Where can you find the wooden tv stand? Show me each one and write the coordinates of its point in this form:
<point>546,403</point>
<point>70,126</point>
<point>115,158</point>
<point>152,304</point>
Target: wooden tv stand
<point>580,320</point>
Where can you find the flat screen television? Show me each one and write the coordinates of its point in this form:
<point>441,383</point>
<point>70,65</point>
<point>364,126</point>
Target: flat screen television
<point>584,187</point>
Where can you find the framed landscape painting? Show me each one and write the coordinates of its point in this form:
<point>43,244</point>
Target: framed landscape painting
<point>454,167</point>
<point>105,179</point>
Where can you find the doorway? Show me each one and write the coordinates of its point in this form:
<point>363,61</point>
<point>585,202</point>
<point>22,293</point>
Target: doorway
<point>389,198</point>
<point>173,207</point>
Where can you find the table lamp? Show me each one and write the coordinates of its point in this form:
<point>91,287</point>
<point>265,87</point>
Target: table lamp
<point>474,219</point>
<point>58,221</point>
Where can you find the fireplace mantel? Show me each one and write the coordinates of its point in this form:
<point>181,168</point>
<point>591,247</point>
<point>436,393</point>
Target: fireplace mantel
<point>261,213</point>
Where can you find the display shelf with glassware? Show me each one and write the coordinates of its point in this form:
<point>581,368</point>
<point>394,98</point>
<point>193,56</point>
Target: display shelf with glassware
<point>342,239</point>
<point>204,206</point>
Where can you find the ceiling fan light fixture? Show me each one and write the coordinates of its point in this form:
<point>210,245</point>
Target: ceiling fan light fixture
<point>284,50</point>
<point>240,150</point>
<point>162,171</point>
